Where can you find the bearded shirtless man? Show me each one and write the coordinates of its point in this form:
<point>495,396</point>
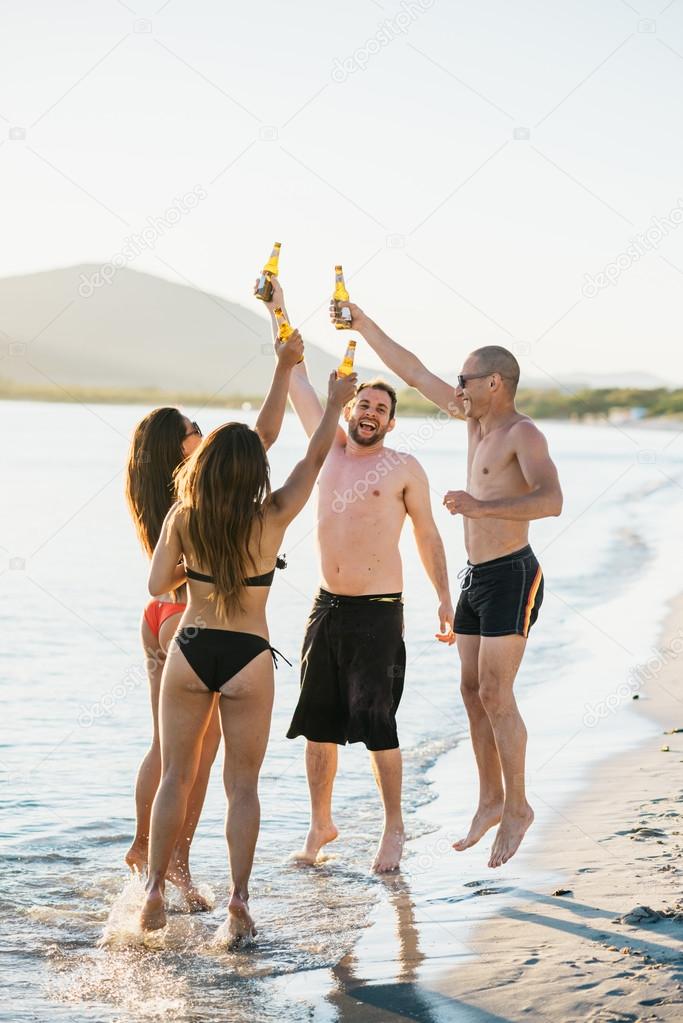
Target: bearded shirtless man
<point>353,661</point>
<point>511,480</point>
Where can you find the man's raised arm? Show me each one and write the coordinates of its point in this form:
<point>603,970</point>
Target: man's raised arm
<point>302,393</point>
<point>406,364</point>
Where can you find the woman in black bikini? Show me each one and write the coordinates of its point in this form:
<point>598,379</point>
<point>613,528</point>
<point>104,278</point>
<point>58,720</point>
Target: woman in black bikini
<point>228,527</point>
<point>161,443</point>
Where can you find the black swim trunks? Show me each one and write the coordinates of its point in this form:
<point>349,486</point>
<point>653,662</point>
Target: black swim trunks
<point>500,597</point>
<point>352,670</point>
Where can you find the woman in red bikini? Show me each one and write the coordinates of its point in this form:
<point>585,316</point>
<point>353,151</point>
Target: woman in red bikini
<point>161,443</point>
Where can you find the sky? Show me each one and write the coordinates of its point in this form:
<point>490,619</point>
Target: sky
<point>486,172</point>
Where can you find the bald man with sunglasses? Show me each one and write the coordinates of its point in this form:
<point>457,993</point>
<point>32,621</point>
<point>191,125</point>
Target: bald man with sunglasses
<point>511,480</point>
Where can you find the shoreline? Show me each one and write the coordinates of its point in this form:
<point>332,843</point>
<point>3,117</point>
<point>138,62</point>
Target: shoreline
<point>247,402</point>
<point>613,844</point>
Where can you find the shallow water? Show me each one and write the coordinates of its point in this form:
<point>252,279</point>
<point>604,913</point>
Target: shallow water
<point>75,719</point>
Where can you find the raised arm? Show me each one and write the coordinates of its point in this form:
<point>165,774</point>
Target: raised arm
<point>165,574</point>
<point>306,402</point>
<point>406,364</point>
<point>545,494</point>
<point>269,422</point>
<point>288,501</point>
<point>429,545</point>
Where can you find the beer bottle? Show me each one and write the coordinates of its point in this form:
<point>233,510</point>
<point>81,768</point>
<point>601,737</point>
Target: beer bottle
<point>264,289</point>
<point>346,365</point>
<point>284,328</point>
<point>341,295</point>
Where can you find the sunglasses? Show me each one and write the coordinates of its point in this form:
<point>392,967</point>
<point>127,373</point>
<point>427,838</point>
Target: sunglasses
<point>195,430</point>
<point>464,378</point>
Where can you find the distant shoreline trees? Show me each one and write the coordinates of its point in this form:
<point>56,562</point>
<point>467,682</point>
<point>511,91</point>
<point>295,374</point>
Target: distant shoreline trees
<point>626,404</point>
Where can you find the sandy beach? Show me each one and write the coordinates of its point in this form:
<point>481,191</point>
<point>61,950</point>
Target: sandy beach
<point>592,928</point>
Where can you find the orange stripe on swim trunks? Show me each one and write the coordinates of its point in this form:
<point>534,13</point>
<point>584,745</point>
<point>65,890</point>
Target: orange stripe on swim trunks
<point>532,597</point>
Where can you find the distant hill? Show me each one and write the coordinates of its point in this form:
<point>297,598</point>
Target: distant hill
<point>143,334</point>
<point>138,333</point>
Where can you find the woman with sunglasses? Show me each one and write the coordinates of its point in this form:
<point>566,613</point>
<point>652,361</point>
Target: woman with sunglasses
<point>227,527</point>
<point>161,443</point>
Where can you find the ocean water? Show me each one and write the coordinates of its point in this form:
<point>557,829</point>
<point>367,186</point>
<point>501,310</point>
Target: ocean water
<point>75,720</point>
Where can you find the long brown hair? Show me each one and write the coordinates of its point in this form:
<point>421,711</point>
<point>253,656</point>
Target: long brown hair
<point>221,492</point>
<point>156,451</point>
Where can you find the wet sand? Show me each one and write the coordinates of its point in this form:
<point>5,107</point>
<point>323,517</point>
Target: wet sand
<point>568,938</point>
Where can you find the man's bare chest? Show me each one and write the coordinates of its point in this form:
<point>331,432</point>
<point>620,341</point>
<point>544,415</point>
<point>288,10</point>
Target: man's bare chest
<point>364,487</point>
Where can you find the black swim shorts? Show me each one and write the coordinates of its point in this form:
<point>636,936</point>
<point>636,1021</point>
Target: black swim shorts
<point>500,597</point>
<point>352,670</point>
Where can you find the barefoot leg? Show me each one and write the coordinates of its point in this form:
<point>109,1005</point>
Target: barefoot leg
<point>149,772</point>
<point>241,927</point>
<point>153,913</point>
<point>491,793</point>
<point>499,660</point>
<point>245,706</point>
<point>185,706</point>
<point>387,766</point>
<point>321,769</point>
<point>179,868</point>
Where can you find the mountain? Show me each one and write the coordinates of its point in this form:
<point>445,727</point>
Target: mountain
<point>139,331</point>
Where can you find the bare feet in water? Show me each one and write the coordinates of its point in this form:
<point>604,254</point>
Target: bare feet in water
<point>315,840</point>
<point>136,858</point>
<point>487,816</point>
<point>512,829</point>
<point>240,924</point>
<point>179,875</point>
<point>153,914</point>
<point>389,851</point>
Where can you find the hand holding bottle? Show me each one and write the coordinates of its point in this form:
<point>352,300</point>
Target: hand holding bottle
<point>277,297</point>
<point>341,390</point>
<point>355,312</point>
<point>290,352</point>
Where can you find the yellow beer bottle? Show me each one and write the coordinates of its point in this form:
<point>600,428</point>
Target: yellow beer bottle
<point>284,328</point>
<point>346,365</point>
<point>264,289</point>
<point>341,295</point>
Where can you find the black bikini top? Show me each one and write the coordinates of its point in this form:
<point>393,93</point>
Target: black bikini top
<point>255,580</point>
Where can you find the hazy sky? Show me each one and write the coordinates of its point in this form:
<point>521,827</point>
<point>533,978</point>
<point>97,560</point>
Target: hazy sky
<point>475,166</point>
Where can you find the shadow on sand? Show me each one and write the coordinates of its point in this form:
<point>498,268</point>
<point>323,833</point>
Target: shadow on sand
<point>357,1001</point>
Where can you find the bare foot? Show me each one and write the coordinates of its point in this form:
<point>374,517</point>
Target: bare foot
<point>315,840</point>
<point>486,817</point>
<point>241,927</point>
<point>512,829</point>
<point>389,851</point>
<point>136,858</point>
<point>153,914</point>
<point>181,878</point>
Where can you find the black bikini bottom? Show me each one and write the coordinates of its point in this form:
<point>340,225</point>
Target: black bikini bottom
<point>217,655</point>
